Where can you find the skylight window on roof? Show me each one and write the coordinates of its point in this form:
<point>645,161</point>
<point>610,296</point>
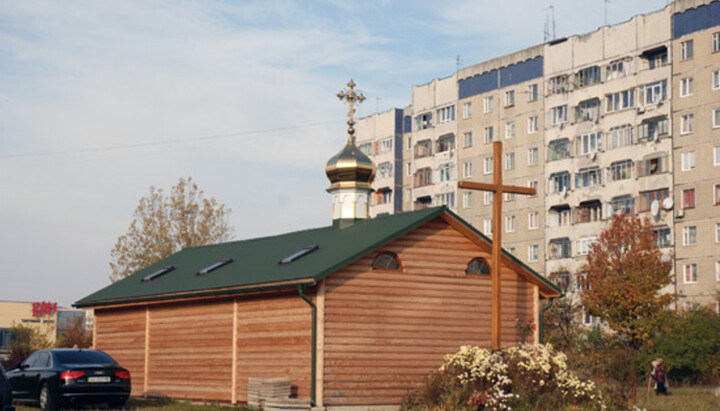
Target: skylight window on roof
<point>298,255</point>
<point>158,273</point>
<point>213,267</point>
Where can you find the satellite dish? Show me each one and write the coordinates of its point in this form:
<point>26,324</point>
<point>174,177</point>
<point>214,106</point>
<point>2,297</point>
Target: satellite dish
<point>668,203</point>
<point>655,208</point>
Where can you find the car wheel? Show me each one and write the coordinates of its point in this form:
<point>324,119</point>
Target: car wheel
<point>47,399</point>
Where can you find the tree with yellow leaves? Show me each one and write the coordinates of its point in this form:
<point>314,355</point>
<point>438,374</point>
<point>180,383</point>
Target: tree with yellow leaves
<point>165,224</point>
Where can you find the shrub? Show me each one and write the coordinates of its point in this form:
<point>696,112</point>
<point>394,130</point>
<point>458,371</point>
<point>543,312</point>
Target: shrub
<point>523,377</point>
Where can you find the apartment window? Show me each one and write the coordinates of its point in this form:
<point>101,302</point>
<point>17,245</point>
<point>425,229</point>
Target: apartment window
<point>467,139</point>
<point>588,177</point>
<point>533,253</point>
<point>716,118</point>
<point>510,224</point>
<point>621,136</point>
<point>647,197</point>
<point>447,172</point>
<point>533,154</point>
<point>559,149</point>
<point>588,212</point>
<point>533,184</point>
<point>467,169</point>
<point>716,156</point>
<point>559,182</point>
<point>467,199</point>
<point>662,237</point>
<point>445,143</point>
<point>385,169</point>
<point>690,235</point>
<point>366,148</point>
<point>510,129</point>
<point>509,196</point>
<point>561,214</point>
<point>488,165</point>
<point>559,84</point>
<point>559,248</point>
<point>489,135</point>
<point>653,93</point>
<point>385,145</point>
<point>446,199</point>
<point>423,121</point>
<point>532,124</point>
<point>584,244</point>
<point>512,250</point>
<point>690,273</point>
<point>423,149</point>
<point>488,104</point>
<point>588,143</point>
<point>686,124</point>
<point>622,204</point>
<point>620,100</point>
<point>716,79</point>
<point>717,270</point>
<point>509,161</point>
<point>656,164</point>
<point>653,129</point>
<point>509,98</point>
<point>467,110</point>
<point>409,144</point>
<point>716,42</point>
<point>533,220</point>
<point>488,197</point>
<point>446,114</point>
<point>588,110</point>
<point>383,196</point>
<point>423,177</point>
<point>619,68</point>
<point>408,169</point>
<point>686,87</point>
<point>686,50</point>
<point>656,57</point>
<point>687,161</point>
<point>532,92</point>
<point>408,195</point>
<point>587,76</point>
<point>716,194</point>
<point>558,115</point>
<point>717,232</point>
<point>487,227</point>
<point>688,198</point>
<point>620,170</point>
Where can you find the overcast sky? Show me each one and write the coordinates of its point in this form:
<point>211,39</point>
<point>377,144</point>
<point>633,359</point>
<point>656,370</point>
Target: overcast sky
<point>99,100</point>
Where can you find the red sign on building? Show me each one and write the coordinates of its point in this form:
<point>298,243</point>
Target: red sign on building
<point>43,308</point>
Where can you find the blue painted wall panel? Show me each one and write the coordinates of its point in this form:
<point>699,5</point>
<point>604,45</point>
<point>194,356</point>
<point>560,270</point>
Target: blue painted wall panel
<point>407,124</point>
<point>479,84</point>
<point>521,72</point>
<point>697,19</point>
<point>398,121</point>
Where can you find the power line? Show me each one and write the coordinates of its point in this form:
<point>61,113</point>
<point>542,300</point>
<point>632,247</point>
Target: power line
<point>165,142</point>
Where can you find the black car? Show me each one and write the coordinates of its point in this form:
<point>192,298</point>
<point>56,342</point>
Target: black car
<point>5,392</point>
<point>59,377</point>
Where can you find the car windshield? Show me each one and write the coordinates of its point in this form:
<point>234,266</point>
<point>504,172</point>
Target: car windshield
<point>83,357</point>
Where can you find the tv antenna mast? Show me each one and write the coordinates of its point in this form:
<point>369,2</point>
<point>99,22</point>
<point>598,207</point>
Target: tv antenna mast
<point>605,2</point>
<point>550,24</point>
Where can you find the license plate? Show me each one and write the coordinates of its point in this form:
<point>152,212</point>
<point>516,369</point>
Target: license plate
<point>98,379</point>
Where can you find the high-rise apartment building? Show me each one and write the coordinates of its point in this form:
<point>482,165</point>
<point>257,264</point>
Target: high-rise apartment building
<point>623,119</point>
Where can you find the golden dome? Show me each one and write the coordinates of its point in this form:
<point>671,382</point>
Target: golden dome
<point>350,168</point>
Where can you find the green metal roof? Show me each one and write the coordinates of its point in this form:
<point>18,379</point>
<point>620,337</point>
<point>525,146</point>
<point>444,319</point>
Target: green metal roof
<point>255,262</point>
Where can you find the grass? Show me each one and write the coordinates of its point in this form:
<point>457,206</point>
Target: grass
<point>680,399</point>
<point>140,404</point>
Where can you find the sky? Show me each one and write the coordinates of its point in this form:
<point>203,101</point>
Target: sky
<point>99,100</point>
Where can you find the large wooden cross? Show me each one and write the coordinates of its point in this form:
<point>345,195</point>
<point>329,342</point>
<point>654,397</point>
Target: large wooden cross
<point>497,188</point>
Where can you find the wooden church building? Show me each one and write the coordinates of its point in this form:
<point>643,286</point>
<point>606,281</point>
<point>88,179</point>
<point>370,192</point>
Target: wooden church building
<point>355,314</point>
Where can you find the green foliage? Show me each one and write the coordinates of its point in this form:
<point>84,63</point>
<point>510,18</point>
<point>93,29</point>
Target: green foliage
<point>26,340</point>
<point>163,225</point>
<point>689,344</point>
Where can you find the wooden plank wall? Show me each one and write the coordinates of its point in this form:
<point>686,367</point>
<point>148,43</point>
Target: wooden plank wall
<point>274,340</point>
<point>191,350</point>
<point>385,331</point>
<point>121,333</point>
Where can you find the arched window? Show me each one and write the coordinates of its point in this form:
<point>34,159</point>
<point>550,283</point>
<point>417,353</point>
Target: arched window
<point>386,261</point>
<point>477,266</point>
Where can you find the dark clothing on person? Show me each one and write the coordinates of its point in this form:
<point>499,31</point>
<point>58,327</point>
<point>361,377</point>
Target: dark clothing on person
<point>659,376</point>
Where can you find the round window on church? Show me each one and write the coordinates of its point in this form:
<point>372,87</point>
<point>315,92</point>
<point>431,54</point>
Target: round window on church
<point>386,261</point>
<point>477,266</point>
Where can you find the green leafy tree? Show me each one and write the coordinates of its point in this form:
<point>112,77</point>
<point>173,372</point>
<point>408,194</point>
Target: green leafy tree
<point>26,340</point>
<point>75,334</point>
<point>561,321</point>
<point>165,224</point>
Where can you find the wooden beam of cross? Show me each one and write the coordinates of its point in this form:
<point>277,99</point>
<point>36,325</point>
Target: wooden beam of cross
<point>497,188</point>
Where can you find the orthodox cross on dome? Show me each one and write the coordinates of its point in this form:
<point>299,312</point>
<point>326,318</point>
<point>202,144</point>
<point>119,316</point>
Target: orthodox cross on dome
<point>351,96</point>
<point>497,188</point>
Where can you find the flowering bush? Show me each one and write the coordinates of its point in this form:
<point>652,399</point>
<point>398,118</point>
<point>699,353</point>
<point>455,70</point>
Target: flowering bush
<point>524,377</point>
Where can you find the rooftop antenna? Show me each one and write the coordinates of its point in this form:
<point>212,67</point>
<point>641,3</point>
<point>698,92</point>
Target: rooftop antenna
<point>377,105</point>
<point>457,63</point>
<point>605,4</point>
<point>550,24</point>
